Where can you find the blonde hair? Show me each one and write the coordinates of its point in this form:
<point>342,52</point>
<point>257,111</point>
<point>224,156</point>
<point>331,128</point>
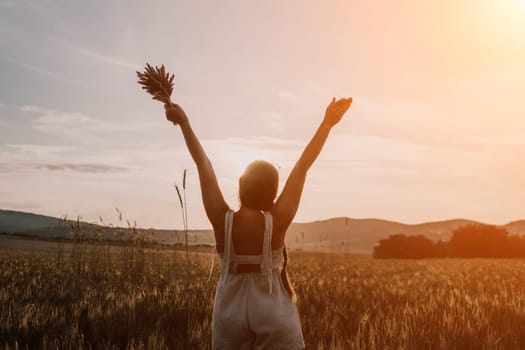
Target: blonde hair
<point>284,276</point>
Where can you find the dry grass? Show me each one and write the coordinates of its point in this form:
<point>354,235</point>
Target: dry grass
<point>131,298</point>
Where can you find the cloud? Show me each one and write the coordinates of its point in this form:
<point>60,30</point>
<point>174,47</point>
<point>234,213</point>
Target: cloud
<point>83,129</point>
<point>25,152</point>
<point>273,120</point>
<point>289,96</point>
<point>75,142</point>
<point>82,168</point>
<point>45,72</point>
<point>35,159</point>
<point>435,125</point>
<point>54,117</point>
<point>517,139</point>
<point>16,157</point>
<point>263,141</point>
<point>48,119</point>
<point>73,126</point>
<point>98,56</point>
<point>318,88</point>
<point>30,157</point>
<point>108,59</point>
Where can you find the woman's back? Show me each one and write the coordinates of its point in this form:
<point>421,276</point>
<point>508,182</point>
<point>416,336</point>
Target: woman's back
<point>253,309</point>
<point>248,232</point>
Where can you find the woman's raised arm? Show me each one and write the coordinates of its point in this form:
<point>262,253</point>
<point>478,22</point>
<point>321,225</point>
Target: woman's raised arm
<point>212,197</point>
<point>286,205</point>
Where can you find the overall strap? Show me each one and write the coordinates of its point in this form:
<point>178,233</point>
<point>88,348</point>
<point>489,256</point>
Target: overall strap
<point>228,226</point>
<point>267,264</point>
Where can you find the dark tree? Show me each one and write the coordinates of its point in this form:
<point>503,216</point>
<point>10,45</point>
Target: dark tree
<point>486,241</point>
<point>403,246</point>
<point>470,241</point>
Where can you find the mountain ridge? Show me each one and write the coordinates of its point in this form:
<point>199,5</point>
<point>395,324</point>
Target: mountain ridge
<point>357,235</point>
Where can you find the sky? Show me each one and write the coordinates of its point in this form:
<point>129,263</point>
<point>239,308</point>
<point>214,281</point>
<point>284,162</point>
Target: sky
<point>436,130</point>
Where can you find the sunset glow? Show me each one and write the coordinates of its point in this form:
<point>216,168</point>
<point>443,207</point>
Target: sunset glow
<point>436,130</point>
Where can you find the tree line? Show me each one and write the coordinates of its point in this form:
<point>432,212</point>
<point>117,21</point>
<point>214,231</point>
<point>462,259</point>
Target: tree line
<point>469,241</point>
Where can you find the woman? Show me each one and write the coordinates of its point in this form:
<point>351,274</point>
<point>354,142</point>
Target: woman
<point>254,307</point>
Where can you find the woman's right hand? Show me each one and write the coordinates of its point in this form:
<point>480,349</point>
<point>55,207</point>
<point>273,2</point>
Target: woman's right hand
<point>336,110</point>
<point>175,113</point>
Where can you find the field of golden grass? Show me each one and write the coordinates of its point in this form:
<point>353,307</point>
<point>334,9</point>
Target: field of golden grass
<point>97,296</point>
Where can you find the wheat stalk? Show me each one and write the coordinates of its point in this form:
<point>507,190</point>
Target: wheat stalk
<point>157,82</point>
<point>184,210</point>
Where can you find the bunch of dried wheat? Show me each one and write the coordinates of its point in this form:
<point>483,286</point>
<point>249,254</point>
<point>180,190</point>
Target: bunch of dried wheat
<point>157,82</point>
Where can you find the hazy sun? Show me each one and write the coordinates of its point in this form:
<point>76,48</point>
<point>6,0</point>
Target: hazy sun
<point>516,5</point>
<point>506,16</point>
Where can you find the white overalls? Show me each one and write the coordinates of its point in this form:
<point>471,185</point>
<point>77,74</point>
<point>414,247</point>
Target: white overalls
<point>253,310</point>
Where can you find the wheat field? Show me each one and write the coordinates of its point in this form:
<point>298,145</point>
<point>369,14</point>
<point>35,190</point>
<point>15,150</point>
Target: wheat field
<point>102,297</point>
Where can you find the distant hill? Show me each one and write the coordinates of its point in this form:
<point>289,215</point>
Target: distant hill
<point>335,234</point>
<point>35,225</point>
<point>360,235</point>
<point>516,227</point>
<point>19,222</point>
